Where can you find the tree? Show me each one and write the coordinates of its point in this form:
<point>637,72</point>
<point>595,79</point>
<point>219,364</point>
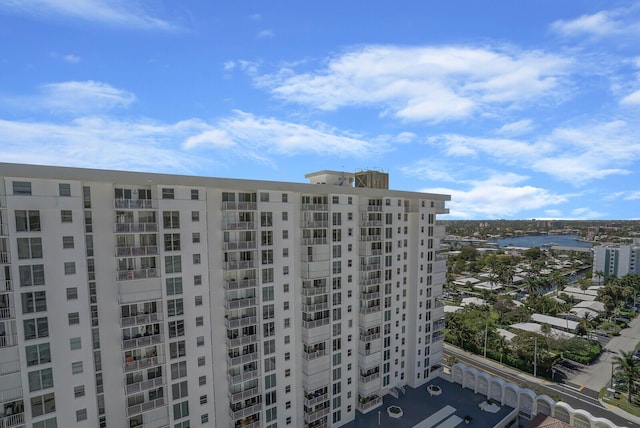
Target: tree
<point>585,324</point>
<point>559,280</point>
<point>629,370</point>
<point>501,345</point>
<point>599,274</point>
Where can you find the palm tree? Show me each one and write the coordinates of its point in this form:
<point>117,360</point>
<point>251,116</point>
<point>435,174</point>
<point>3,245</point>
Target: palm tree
<point>585,323</point>
<point>501,345</point>
<point>599,274</point>
<point>629,370</point>
<point>560,281</point>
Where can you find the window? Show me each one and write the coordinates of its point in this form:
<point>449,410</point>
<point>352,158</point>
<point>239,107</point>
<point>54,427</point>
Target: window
<point>176,328</point>
<point>272,413</point>
<point>172,264</point>
<point>177,349</point>
<point>27,221</point>
<point>199,321</point>
<point>36,328</point>
<point>174,286</point>
<point>197,280</point>
<point>285,197</point>
<point>266,219</point>
<point>64,189</point>
<point>270,381</point>
<point>204,418</point>
<point>67,242</point>
<point>285,216</point>
<point>22,188</point>
<point>171,219</point>
<point>202,380</point>
<point>75,343</point>
<point>198,300</point>
<point>287,322</point>
<point>178,370</point>
<point>167,193</point>
<point>78,391</point>
<point>285,252</point>
<point>38,354</point>
<point>269,347</point>
<point>72,293</point>
<point>81,415</point>
<point>172,242</point>
<point>76,367</point>
<point>285,305</point>
<point>179,390</point>
<point>40,379</point>
<point>285,234</point>
<point>66,216</point>
<point>195,237</point>
<point>69,268</point>
<point>195,215</point>
<point>181,410</point>
<point>34,302</point>
<point>264,197</point>
<point>200,341</point>
<point>175,307</point>
<point>74,318</point>
<point>285,270</point>
<point>201,361</point>
<point>42,405</point>
<point>196,259</point>
<point>29,248</point>
<point>287,373</point>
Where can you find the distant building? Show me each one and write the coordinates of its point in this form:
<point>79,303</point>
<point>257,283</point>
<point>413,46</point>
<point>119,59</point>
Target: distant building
<point>616,259</point>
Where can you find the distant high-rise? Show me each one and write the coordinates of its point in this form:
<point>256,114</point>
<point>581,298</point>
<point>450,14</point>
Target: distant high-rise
<point>151,300</point>
<point>616,259</point>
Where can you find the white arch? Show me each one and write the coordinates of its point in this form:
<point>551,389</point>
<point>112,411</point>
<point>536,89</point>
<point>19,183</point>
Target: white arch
<point>527,400</point>
<point>470,378</point>
<point>544,405</point>
<point>563,412</point>
<point>496,389</point>
<point>582,419</point>
<point>511,395</point>
<point>482,384</point>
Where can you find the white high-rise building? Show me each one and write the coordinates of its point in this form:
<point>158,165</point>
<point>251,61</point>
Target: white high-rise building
<point>150,300</point>
<point>616,259</point>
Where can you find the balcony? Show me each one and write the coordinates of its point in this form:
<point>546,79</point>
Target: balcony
<point>314,224</point>
<point>242,206</point>
<point>135,204</point>
<point>367,404</point>
<point>136,227</point>
<point>9,367</point>
<point>144,385</point>
<point>315,207</point>
<point>311,400</point>
<point>8,340</point>
<point>231,323</point>
<point>374,208</point>
<point>242,359</point>
<point>370,377</point>
<point>368,252</point>
<point>370,296</point>
<point>239,285</point>
<point>143,363</point>
<point>240,303</point>
<point>369,337</point>
<point>314,274</point>
<point>4,258</point>
<point>371,360</point>
<point>314,291</point>
<point>242,377</point>
<point>316,331</point>
<point>6,285</point>
<point>315,362</point>
<point>6,313</point>
<point>315,307</point>
<point>370,317</point>
<point>142,341</point>
<point>234,397</point>
<point>146,406</point>
<point>141,319</point>
<point>247,411</point>
<point>241,341</point>
<point>310,258</point>
<point>314,416</point>
<point>4,229</point>
<point>129,275</point>
<point>239,264</point>
<point>369,267</point>
<point>16,420</point>
<point>314,241</point>
<point>370,281</point>
<point>136,251</point>
<point>240,225</point>
<point>240,245</point>
<point>370,223</point>
<point>371,238</point>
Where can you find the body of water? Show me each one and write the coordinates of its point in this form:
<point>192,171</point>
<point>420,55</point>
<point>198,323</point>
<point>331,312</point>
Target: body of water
<point>543,240</point>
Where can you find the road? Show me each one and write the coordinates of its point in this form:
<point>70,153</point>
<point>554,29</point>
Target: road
<point>578,398</point>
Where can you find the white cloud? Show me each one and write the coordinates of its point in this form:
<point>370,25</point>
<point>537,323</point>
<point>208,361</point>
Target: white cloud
<point>70,58</point>
<point>516,128</point>
<point>424,83</point>
<point>265,34</point>
<point>632,196</point>
<point>632,99</point>
<point>434,170</point>
<point>499,196</point>
<point>586,214</point>
<point>125,14</point>
<point>600,23</point>
<point>553,213</point>
<point>255,17</point>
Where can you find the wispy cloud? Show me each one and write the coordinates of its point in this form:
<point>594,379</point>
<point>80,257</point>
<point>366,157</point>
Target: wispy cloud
<point>498,196</point>
<point>631,99</point>
<point>265,34</point>
<point>605,23</point>
<point>516,128</point>
<point>424,83</point>
<point>70,58</point>
<point>124,14</point>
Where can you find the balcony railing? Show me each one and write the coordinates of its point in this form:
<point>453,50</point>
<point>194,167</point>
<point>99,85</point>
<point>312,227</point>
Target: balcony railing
<point>8,340</point>
<point>142,341</point>
<point>240,322</point>
<point>314,241</point>
<point>136,227</point>
<point>143,363</point>
<point>146,406</point>
<point>370,281</point>
<point>6,313</point>
<point>369,378</point>
<point>9,367</point>
<point>370,223</point>
<point>315,323</point>
<point>244,376</point>
<point>241,341</point>
<point>4,258</point>
<point>234,397</point>
<point>369,267</point>
<point>239,285</point>
<point>247,411</point>
<point>240,303</point>
<point>134,204</point>
<point>371,238</point>
<point>132,388</point>
<point>128,275</point>
<point>370,310</point>
<point>239,264</point>
<point>136,251</point>
<point>239,245</point>
<point>141,319</point>
<point>12,420</point>
<point>315,207</point>
<point>374,402</point>
<point>240,225</point>
<point>369,337</point>
<point>242,206</point>
<point>375,208</point>
<point>6,285</point>
<point>370,296</point>
<point>311,400</point>
<point>4,229</point>
<point>314,416</point>
<point>242,359</point>
<point>315,307</point>
<point>314,224</point>
<point>314,291</point>
<point>309,356</point>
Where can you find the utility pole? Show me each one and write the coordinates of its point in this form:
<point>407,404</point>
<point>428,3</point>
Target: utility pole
<point>535,357</point>
<point>486,331</point>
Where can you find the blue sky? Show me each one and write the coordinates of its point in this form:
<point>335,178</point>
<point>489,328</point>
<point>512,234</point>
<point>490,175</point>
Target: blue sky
<point>518,109</point>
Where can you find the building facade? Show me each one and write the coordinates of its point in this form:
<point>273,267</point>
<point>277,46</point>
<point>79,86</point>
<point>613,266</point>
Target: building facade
<point>617,260</point>
<point>150,300</point>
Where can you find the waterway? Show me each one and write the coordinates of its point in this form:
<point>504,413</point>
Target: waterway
<point>543,240</point>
